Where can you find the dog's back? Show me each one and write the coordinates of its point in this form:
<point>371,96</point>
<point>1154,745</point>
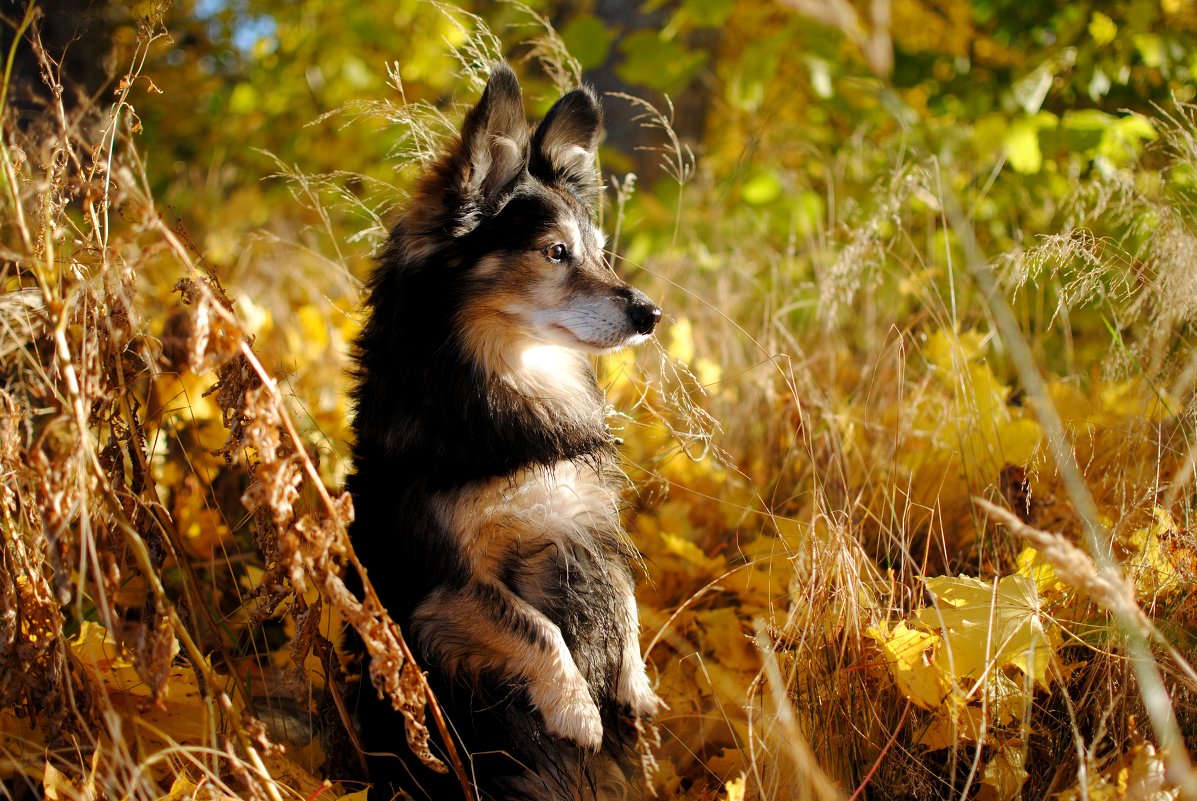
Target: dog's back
<point>484,473</point>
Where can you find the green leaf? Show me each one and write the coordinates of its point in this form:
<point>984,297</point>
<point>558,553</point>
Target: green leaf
<point>1124,139</point>
<point>244,99</point>
<point>807,212</point>
<point>708,13</point>
<point>658,63</point>
<point>1022,147</point>
<point>756,69</point>
<point>1085,129</point>
<point>588,39</point>
<point>1090,119</point>
<point>355,71</point>
<point>762,188</point>
<point>1151,49</point>
<point>1102,29</point>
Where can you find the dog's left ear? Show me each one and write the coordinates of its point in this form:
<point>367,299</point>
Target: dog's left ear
<point>564,145</point>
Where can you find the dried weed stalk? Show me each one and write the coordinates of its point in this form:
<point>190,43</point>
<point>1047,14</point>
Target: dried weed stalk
<point>89,532</point>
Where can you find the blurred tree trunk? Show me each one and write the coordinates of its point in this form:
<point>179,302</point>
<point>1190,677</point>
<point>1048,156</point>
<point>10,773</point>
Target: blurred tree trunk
<point>690,106</point>
<point>77,36</point>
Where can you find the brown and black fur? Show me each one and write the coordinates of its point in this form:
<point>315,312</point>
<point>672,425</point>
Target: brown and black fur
<point>485,477</point>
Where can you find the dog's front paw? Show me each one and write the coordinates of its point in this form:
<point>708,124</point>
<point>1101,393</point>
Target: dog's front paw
<point>569,713</point>
<point>637,694</point>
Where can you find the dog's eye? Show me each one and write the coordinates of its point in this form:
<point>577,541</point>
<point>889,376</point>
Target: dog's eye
<point>556,252</point>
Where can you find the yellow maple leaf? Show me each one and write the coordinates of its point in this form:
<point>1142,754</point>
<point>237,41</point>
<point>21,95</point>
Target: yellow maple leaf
<point>951,724</point>
<point>1006,699</point>
<point>721,632</point>
<point>314,326</point>
<point>1156,574</point>
<point>1138,774</point>
<point>108,663</point>
<point>351,324</point>
<point>616,371</point>
<point>947,350</point>
<point>289,773</point>
<point>1017,440</point>
<point>183,394</point>
<point>1005,773</point>
<point>1097,789</point>
<point>183,714</point>
<point>689,552</point>
<point>21,747</point>
<point>709,373</point>
<point>181,789</point>
<point>1133,398</point>
<point>986,624</point>
<point>1032,565</point>
<point>1145,777</point>
<point>970,416</point>
<point>910,656</point>
<point>57,786</point>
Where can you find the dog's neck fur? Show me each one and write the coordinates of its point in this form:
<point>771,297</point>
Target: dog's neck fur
<point>559,379</point>
<point>526,415</point>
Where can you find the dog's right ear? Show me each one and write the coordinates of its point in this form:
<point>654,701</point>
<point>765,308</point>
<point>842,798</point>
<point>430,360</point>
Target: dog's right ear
<point>493,152</point>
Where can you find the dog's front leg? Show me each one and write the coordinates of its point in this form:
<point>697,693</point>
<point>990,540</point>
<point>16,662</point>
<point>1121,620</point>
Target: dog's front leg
<point>483,626</point>
<point>634,688</point>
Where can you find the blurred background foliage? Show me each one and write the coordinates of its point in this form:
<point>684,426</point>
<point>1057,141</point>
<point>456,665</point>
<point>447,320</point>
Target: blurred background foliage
<point>793,110</point>
<point>768,96</point>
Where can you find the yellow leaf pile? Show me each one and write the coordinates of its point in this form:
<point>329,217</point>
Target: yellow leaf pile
<point>972,658</point>
<point>1138,775</point>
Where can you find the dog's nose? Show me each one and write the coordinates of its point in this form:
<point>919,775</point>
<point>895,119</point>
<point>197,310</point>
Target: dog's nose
<point>644,316</point>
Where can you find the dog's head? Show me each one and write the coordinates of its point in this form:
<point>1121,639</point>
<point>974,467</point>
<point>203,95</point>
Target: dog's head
<point>511,210</point>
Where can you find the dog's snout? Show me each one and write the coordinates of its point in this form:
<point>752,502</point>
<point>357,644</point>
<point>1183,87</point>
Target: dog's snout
<point>644,315</point>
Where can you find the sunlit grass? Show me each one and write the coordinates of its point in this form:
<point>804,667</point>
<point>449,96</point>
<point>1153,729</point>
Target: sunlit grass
<point>825,445</point>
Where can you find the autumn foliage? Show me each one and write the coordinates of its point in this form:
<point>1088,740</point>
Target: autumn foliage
<point>912,455</point>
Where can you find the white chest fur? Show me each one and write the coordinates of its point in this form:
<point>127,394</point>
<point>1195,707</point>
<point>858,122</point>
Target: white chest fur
<point>568,505</point>
<point>550,372</point>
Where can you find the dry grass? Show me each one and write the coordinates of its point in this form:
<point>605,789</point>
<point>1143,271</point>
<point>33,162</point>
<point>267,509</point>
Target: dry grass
<point>126,592</point>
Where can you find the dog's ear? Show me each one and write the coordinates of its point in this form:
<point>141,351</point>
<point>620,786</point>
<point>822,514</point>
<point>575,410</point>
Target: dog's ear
<point>564,145</point>
<point>493,151</point>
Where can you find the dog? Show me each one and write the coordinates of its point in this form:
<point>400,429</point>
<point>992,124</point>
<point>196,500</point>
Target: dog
<point>486,481</point>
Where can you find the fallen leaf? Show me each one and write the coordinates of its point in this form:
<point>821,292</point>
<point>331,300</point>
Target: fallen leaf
<point>986,625</point>
<point>910,655</point>
<point>1156,575</point>
<point>1005,773</point>
<point>735,789</point>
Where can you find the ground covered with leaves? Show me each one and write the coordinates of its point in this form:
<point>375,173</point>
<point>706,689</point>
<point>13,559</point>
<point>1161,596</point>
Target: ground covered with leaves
<point>912,455</point>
